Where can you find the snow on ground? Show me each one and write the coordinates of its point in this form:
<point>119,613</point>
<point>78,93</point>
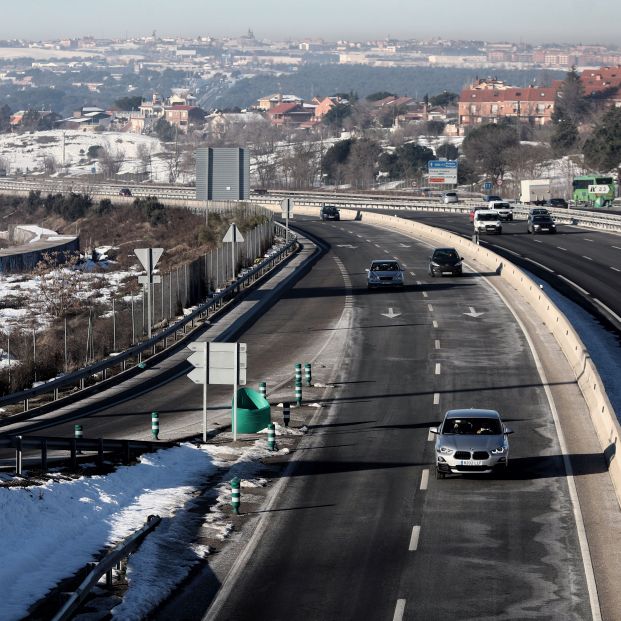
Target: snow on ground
<point>27,152</point>
<point>604,348</point>
<point>52,530</point>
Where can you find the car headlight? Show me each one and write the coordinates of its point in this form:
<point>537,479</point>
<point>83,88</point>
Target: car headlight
<point>435,264</point>
<point>458,264</point>
<point>373,276</point>
<point>399,276</point>
<point>499,450</point>
<point>445,450</point>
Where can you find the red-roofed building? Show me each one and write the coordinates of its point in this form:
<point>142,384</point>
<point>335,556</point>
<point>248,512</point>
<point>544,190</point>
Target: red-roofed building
<point>290,114</point>
<point>486,101</point>
<point>604,83</point>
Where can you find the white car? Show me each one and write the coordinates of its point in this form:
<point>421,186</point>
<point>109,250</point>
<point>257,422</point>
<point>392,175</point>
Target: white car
<point>487,221</point>
<point>471,441</point>
<point>450,197</point>
<point>504,209</point>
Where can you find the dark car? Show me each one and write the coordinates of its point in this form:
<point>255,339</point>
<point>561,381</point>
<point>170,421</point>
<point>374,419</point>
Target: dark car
<point>557,202</point>
<point>488,198</point>
<point>541,224</point>
<point>330,212</point>
<point>125,192</point>
<point>445,261</point>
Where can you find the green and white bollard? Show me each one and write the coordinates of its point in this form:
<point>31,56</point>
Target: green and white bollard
<point>77,434</point>
<point>298,392</point>
<point>298,372</point>
<point>271,437</point>
<point>263,389</point>
<point>155,425</point>
<point>308,373</point>
<point>286,413</point>
<point>235,495</point>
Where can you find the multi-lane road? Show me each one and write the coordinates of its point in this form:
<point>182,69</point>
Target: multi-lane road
<point>363,530</point>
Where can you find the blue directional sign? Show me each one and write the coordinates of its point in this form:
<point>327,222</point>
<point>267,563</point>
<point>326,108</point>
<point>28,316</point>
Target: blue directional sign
<point>488,185</point>
<point>441,164</point>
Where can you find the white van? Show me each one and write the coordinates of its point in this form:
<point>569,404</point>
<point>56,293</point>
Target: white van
<point>487,221</point>
<point>504,209</point>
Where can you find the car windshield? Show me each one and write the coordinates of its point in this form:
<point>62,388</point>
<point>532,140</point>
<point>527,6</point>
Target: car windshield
<point>472,426</point>
<point>445,256</point>
<point>385,266</point>
<point>502,206</point>
<point>542,219</point>
<point>487,216</point>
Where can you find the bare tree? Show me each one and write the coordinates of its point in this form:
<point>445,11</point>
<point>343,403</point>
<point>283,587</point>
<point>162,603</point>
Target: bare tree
<point>61,287</point>
<point>49,164</point>
<point>145,157</point>
<point>111,161</point>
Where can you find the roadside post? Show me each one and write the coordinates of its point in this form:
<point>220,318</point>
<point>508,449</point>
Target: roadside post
<point>149,258</point>
<point>271,437</point>
<point>308,373</point>
<point>263,389</point>
<point>235,495</point>
<point>286,413</point>
<point>287,212</point>
<point>233,236</point>
<point>200,360</point>
<point>298,372</point>
<point>77,433</point>
<point>155,425</point>
<point>298,392</point>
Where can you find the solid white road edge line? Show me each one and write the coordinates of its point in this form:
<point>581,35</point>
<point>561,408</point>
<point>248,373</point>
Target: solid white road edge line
<point>587,563</point>
<point>399,610</point>
<point>414,538</point>
<point>238,566</point>
<point>424,479</point>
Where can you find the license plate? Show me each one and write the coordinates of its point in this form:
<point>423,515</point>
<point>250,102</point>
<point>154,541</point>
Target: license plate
<point>470,462</point>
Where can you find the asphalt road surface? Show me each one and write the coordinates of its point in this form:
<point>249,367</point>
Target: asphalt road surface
<point>590,259</point>
<point>363,530</point>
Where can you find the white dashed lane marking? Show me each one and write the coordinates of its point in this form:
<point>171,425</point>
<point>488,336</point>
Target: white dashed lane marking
<point>436,398</point>
<point>424,479</point>
<point>616,269</point>
<point>399,610</point>
<point>414,538</point>
<point>435,323</point>
<point>437,344</point>
<point>438,364</point>
<point>430,307</point>
<point>561,248</point>
<point>430,437</point>
<point>587,258</point>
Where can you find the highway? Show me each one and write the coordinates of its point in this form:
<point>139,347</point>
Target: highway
<point>582,264</point>
<point>363,530</point>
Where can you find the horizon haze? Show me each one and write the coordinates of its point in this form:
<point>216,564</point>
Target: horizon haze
<point>554,21</point>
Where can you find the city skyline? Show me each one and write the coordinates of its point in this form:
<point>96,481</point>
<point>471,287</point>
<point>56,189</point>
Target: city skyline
<point>530,22</point>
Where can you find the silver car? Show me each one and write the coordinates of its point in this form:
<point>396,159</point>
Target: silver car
<point>471,441</point>
<point>384,273</point>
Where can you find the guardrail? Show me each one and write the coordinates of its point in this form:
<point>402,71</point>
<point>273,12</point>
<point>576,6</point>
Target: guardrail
<point>75,445</point>
<point>105,566</point>
<point>244,280</point>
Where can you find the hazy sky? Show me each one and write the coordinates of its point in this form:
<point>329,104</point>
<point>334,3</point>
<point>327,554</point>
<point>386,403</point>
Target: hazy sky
<point>593,21</point>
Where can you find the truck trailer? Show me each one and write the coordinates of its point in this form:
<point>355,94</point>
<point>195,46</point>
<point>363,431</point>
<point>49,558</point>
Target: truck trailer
<point>535,191</point>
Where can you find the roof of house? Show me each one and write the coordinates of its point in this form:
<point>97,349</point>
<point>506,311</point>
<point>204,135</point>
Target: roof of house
<point>530,93</point>
<point>283,108</point>
<point>598,80</point>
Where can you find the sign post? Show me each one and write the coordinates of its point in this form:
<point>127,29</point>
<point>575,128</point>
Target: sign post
<point>200,360</point>
<point>149,258</point>
<point>233,236</point>
<point>218,363</point>
<point>287,212</point>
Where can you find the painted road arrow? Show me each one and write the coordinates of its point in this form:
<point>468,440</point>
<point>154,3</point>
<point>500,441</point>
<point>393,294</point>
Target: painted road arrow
<point>391,314</point>
<point>473,313</point>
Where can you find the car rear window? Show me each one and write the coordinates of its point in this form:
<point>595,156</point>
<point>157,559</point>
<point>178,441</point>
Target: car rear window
<point>472,426</point>
<point>385,266</point>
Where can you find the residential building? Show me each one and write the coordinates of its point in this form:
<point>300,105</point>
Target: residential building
<point>487,101</point>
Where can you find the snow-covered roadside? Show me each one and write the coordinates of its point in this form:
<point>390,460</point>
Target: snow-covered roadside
<point>52,530</point>
<point>603,347</point>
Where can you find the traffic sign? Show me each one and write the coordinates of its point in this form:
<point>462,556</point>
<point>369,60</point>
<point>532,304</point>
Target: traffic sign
<point>148,257</point>
<point>442,171</point>
<point>233,235</point>
<point>287,208</point>
<point>488,185</point>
